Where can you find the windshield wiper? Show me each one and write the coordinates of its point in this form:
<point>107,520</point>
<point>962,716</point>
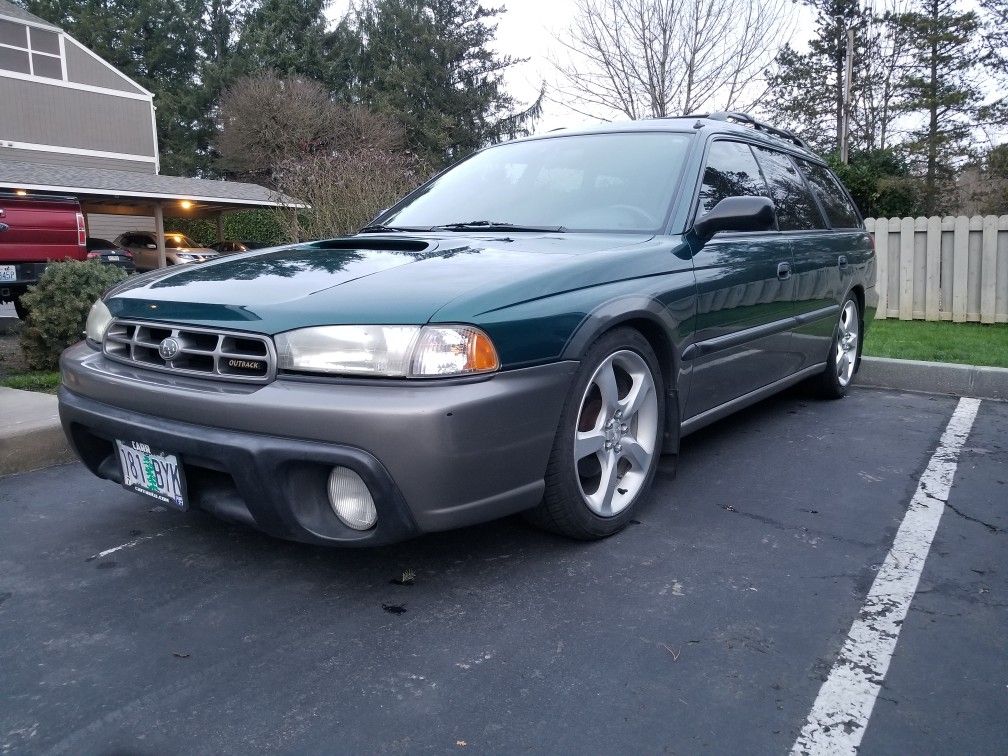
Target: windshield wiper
<point>485,225</point>
<point>378,228</point>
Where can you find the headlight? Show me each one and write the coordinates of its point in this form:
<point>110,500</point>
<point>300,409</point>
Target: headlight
<point>188,257</point>
<point>98,320</point>
<point>390,351</point>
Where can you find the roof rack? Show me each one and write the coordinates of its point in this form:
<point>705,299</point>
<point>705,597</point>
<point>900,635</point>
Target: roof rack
<point>748,120</point>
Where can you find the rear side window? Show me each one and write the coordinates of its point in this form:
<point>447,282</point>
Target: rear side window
<point>839,210</point>
<point>731,171</point>
<point>796,208</point>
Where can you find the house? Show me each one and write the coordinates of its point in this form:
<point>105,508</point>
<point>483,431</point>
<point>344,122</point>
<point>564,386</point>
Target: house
<point>72,124</point>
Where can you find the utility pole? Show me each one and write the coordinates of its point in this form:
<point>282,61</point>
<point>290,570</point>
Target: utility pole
<point>848,73</point>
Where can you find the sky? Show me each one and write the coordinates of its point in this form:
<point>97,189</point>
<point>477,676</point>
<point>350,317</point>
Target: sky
<point>530,28</point>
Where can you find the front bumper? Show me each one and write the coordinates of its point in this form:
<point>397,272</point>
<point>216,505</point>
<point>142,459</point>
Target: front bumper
<point>436,455</point>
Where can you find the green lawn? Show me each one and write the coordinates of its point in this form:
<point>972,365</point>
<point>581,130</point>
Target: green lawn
<point>47,382</point>
<point>967,343</point>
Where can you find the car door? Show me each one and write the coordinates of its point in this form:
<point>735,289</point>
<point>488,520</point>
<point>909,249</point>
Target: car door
<point>815,275</point>
<point>742,338</point>
<point>840,255</point>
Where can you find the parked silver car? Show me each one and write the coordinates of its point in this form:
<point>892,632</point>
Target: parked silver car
<point>179,249</point>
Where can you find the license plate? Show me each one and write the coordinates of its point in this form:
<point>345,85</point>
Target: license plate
<point>8,273</point>
<point>114,258</point>
<point>156,474</point>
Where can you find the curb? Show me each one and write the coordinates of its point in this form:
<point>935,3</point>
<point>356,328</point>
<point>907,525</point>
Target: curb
<point>31,436</point>
<point>934,377</point>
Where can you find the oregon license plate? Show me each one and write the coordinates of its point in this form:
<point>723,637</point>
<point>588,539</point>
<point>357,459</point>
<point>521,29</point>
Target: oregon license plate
<point>8,273</point>
<point>156,474</point>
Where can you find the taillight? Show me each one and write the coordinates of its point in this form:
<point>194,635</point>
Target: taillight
<point>81,231</point>
<point>93,255</point>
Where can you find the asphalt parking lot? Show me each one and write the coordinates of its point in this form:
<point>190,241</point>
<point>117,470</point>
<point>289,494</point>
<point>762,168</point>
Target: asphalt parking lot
<point>709,625</point>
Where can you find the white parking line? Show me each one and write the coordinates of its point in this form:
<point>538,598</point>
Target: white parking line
<point>841,711</point>
<point>130,544</point>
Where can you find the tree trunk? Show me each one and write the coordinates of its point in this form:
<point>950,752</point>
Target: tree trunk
<point>931,183</point>
<point>838,65</point>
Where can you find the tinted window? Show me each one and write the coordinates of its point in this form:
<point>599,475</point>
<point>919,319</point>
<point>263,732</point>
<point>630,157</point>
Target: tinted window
<point>14,60</point>
<point>13,34</point>
<point>838,208</point>
<point>731,171</point>
<point>620,181</point>
<point>95,243</point>
<point>796,209</point>
<point>48,66</point>
<point>45,41</point>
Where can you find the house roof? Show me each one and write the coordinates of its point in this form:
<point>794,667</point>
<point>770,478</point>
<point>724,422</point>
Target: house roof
<point>107,183</point>
<point>16,11</point>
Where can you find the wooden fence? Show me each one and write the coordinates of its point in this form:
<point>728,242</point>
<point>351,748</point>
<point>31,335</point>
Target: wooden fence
<point>942,268</point>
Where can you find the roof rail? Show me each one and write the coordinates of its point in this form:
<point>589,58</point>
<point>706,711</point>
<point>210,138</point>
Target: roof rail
<point>748,120</point>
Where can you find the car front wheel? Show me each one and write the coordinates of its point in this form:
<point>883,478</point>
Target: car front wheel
<point>609,440</point>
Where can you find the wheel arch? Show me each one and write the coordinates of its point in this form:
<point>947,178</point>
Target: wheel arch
<point>654,322</point>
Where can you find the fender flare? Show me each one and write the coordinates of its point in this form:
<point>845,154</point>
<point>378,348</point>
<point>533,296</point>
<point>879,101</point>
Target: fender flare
<point>626,309</point>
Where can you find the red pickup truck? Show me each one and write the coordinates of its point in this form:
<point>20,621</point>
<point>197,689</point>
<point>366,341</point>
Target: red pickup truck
<point>36,230</point>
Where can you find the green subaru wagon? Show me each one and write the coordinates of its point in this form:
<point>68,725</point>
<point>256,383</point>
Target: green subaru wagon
<point>529,331</point>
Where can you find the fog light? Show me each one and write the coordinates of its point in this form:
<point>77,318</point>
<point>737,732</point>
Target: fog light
<point>351,500</point>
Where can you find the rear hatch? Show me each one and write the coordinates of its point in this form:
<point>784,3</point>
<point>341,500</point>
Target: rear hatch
<point>39,229</point>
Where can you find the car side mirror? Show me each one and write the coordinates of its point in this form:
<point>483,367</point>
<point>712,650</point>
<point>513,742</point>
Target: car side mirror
<point>735,214</point>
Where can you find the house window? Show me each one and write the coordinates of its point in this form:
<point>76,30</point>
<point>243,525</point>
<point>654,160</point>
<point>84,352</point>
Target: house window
<point>28,50</point>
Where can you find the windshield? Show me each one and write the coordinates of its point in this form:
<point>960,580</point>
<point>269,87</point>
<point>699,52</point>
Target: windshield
<point>179,241</point>
<point>596,182</point>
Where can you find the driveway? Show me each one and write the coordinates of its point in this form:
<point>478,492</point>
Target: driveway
<point>709,625</point>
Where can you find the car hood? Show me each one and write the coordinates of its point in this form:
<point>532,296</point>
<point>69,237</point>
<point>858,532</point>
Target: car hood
<point>391,279</point>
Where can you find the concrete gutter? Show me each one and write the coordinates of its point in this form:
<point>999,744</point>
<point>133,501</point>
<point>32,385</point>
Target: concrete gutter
<point>31,436</point>
<point>934,377</point>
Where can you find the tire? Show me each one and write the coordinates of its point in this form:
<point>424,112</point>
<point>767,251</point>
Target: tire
<point>584,498</point>
<point>844,353</point>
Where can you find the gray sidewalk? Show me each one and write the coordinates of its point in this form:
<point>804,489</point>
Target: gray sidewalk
<point>30,433</point>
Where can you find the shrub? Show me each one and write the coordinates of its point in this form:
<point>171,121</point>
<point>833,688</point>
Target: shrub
<point>58,308</point>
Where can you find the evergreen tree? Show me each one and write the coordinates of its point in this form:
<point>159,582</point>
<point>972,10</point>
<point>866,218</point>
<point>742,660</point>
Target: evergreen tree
<point>805,91</point>
<point>430,65</point>
<point>290,38</point>
<point>939,82</point>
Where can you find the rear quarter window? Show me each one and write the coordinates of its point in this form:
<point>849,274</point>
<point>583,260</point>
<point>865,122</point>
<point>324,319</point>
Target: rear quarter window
<point>835,203</point>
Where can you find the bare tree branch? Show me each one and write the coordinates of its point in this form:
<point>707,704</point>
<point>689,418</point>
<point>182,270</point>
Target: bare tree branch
<point>658,58</point>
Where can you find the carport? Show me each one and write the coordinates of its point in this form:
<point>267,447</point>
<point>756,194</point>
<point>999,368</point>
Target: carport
<point>134,193</point>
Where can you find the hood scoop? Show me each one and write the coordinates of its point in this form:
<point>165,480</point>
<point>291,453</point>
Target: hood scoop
<point>380,243</point>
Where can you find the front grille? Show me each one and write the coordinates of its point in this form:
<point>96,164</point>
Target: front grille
<point>204,352</point>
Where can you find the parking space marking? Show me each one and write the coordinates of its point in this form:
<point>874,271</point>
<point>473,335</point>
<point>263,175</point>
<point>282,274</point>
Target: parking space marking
<point>131,544</point>
<point>841,711</point>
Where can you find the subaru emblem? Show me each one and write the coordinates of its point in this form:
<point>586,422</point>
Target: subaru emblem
<point>169,349</point>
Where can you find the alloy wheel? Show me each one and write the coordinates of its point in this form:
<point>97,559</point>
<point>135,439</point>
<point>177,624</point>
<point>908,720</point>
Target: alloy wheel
<point>848,334</point>
<point>617,432</point>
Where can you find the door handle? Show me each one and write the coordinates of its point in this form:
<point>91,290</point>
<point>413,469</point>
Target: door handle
<point>842,262</point>
<point>784,271</point>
